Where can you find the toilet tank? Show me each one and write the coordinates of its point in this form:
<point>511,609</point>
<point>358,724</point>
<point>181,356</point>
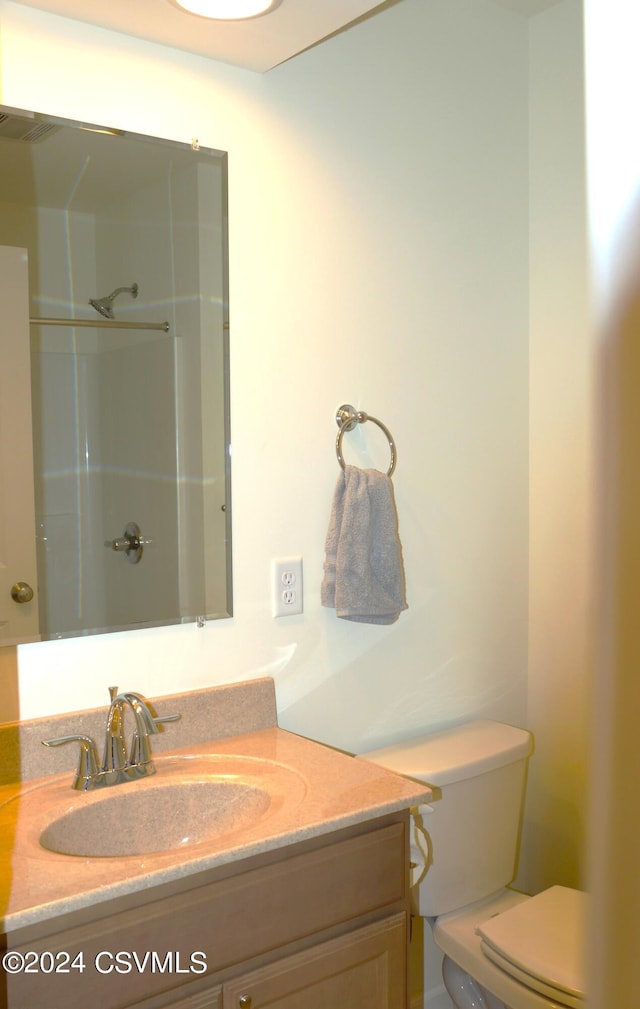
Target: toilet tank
<point>467,838</point>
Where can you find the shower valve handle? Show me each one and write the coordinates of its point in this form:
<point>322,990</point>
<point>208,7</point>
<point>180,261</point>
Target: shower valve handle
<point>130,543</point>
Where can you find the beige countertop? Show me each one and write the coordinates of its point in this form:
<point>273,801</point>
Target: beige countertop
<point>316,790</point>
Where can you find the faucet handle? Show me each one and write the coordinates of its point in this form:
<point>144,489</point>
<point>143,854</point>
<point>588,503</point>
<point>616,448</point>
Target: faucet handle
<point>161,719</point>
<point>113,693</point>
<point>88,763</point>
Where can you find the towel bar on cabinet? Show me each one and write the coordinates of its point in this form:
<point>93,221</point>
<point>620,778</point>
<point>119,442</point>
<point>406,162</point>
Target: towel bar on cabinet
<point>347,417</point>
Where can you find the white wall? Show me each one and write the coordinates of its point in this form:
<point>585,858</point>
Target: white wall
<point>560,456</point>
<point>377,255</point>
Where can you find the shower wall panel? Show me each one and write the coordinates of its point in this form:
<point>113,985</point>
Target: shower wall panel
<point>68,496</point>
<point>196,201</point>
<point>138,407</point>
<point>138,466</point>
<point>68,493</point>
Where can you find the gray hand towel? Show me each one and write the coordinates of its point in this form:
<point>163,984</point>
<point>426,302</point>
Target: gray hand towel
<point>363,572</point>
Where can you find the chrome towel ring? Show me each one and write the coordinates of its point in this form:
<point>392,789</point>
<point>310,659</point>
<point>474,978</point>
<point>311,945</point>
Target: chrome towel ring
<point>347,417</point>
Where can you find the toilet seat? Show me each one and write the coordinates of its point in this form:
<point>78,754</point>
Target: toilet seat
<point>540,943</point>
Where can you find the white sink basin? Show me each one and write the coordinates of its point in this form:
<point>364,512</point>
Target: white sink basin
<point>190,801</point>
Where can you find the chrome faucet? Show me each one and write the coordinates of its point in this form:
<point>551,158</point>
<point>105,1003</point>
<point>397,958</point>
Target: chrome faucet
<point>118,765</point>
<point>116,757</point>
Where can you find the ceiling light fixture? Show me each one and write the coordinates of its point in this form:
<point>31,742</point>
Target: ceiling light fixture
<point>228,10</point>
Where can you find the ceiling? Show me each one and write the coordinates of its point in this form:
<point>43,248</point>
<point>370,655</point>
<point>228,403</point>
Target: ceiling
<point>258,44</point>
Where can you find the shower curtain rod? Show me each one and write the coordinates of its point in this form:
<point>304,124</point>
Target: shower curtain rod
<point>100,323</point>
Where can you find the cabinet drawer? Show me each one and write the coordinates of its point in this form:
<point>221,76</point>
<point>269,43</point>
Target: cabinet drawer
<point>366,967</point>
<point>270,907</point>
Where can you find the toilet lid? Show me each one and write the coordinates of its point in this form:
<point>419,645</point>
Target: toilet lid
<point>540,942</point>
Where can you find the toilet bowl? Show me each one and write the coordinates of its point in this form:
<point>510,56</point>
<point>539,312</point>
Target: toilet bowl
<point>524,952</point>
<point>502,949</point>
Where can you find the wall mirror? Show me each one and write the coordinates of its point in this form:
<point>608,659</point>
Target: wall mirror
<point>115,506</point>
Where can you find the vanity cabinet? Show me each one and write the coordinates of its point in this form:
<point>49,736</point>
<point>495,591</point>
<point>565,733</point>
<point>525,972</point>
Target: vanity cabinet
<point>323,922</point>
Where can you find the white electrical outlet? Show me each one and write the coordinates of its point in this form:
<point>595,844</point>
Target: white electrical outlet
<point>286,586</point>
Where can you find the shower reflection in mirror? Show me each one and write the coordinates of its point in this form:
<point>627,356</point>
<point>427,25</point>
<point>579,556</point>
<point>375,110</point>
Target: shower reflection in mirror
<point>129,390</point>
<point>104,306</point>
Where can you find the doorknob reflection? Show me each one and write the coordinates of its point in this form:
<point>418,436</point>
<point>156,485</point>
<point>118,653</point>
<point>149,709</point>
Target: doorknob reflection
<point>21,592</point>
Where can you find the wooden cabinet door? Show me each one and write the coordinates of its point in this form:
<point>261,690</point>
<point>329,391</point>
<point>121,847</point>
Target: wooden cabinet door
<point>209,998</point>
<point>365,969</point>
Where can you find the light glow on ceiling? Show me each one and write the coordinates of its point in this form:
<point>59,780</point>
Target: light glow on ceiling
<point>228,10</point>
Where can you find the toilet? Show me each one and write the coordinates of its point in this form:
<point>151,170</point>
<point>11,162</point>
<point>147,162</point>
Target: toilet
<point>502,949</point>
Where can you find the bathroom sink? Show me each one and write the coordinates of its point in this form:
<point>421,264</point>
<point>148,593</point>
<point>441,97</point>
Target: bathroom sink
<point>191,801</point>
<point>131,821</point>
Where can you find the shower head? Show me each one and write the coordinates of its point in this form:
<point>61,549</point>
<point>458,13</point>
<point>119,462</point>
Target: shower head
<point>104,306</point>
